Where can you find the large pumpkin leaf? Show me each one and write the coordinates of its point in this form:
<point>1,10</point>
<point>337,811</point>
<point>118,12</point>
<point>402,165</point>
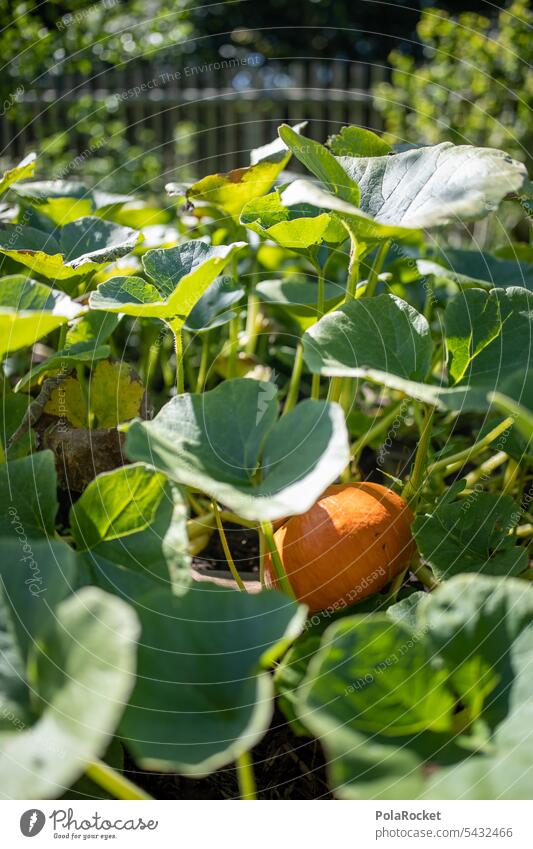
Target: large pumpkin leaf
<point>202,696</point>
<point>228,443</point>
<point>28,496</point>
<point>24,169</point>
<point>417,189</point>
<point>64,201</point>
<point>134,517</point>
<point>435,185</point>
<point>214,307</point>
<point>478,268</point>
<point>471,640</point>
<point>180,277</point>
<point>233,190</point>
<point>30,310</point>
<point>471,535</point>
<point>82,672</point>
<point>487,334</point>
<point>383,333</point>
<point>80,247</point>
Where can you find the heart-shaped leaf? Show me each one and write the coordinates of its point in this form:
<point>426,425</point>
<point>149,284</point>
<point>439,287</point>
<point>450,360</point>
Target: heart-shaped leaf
<point>383,333</point>
<point>30,310</point>
<point>471,534</point>
<point>64,201</point>
<point>180,277</point>
<point>456,672</point>
<point>81,672</point>
<point>134,517</point>
<point>80,247</point>
<point>228,443</point>
<point>202,697</point>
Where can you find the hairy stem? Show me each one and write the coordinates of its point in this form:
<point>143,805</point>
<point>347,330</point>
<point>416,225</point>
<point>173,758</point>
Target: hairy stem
<point>462,457</point>
<point>204,361</point>
<point>375,271</point>
<point>411,490</point>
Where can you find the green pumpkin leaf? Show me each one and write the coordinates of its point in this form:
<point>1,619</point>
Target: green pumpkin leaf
<point>65,359</point>
<point>487,334</point>
<point>298,228</point>
<point>321,162</point>
<point>477,268</point>
<point>383,333</point>
<point>180,277</point>
<point>213,308</point>
<point>135,518</point>
<point>435,185</point>
<point>64,201</point>
<point>356,141</point>
<point>83,671</point>
<point>81,247</point>
<point>259,467</point>
<point>471,534</point>
<point>28,496</point>
<point>202,697</point>
<point>30,310</point>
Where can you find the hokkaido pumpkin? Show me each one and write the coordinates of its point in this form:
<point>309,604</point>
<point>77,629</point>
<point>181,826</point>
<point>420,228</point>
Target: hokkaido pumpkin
<point>349,545</point>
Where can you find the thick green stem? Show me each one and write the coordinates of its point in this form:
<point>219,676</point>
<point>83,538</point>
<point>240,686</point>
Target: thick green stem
<point>282,580</point>
<point>204,362</point>
<point>225,546</point>
<point>315,387</point>
<point>62,336</point>
<point>375,271</point>
<point>353,269</point>
<point>463,457</point>
<point>425,576</point>
<point>412,488</point>
<point>246,778</point>
<point>233,346</point>
<point>113,782</point>
<point>335,389</point>
<point>294,385</point>
<point>321,294</point>
<point>178,345</point>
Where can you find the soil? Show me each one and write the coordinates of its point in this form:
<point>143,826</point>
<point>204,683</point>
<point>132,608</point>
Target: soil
<point>285,767</point>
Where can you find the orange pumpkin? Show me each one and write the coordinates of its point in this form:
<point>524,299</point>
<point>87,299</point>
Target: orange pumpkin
<point>349,545</point>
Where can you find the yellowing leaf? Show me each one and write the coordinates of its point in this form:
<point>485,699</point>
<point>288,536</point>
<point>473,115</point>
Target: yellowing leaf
<point>67,402</point>
<point>116,393</point>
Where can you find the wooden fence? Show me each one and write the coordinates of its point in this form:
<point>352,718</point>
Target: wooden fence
<point>202,117</point>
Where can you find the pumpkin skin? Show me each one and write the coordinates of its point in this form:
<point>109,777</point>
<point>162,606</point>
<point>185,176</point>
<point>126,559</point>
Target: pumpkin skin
<point>349,545</point>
